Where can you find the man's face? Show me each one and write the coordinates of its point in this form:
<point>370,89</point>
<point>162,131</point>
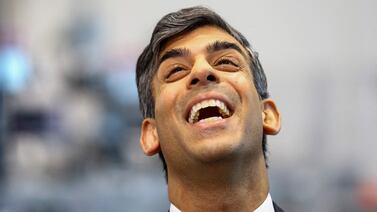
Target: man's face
<point>206,105</point>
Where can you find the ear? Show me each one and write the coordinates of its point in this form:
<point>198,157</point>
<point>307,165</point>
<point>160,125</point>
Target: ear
<point>271,117</point>
<point>149,140</point>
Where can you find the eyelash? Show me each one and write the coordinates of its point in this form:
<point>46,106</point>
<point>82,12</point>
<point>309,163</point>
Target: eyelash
<point>174,70</point>
<point>221,61</point>
<point>224,61</point>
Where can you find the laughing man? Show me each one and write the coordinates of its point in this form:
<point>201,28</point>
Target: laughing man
<point>207,111</point>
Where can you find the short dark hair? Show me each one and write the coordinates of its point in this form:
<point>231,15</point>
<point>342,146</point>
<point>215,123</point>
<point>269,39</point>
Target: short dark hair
<point>173,25</point>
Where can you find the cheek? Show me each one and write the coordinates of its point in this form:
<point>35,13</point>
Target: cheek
<point>250,100</point>
<point>244,85</point>
<point>165,101</point>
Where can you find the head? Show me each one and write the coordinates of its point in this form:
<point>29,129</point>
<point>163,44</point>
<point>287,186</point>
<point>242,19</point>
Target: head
<point>196,36</point>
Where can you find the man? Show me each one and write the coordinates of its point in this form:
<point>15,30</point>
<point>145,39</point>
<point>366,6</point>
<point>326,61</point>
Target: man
<point>207,111</point>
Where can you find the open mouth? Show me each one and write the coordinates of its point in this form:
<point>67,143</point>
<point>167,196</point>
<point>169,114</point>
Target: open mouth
<point>208,110</point>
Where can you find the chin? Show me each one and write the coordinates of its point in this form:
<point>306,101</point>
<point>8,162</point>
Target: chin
<point>212,150</point>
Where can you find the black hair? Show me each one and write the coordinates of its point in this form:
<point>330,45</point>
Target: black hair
<point>173,25</point>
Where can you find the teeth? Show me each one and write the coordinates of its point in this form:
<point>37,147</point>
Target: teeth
<point>211,119</point>
<point>194,113</point>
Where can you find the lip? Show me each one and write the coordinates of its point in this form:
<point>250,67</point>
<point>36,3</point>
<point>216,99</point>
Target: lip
<point>206,96</point>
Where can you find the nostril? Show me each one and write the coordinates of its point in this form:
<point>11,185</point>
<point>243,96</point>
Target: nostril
<point>211,78</point>
<point>194,81</point>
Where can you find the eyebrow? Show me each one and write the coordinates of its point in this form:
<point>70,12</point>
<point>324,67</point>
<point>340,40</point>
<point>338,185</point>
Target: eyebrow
<point>180,52</point>
<point>223,45</point>
<point>211,48</point>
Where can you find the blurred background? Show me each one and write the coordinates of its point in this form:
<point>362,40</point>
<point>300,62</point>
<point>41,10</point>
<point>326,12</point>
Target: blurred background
<point>69,118</point>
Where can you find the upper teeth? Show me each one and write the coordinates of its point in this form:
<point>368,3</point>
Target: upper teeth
<point>194,113</point>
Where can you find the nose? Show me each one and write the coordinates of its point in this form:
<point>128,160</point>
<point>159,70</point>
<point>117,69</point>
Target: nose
<point>202,74</point>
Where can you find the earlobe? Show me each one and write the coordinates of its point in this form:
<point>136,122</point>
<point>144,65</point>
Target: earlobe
<point>149,140</point>
<point>271,117</point>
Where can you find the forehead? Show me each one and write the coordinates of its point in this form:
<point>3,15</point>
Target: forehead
<point>198,39</point>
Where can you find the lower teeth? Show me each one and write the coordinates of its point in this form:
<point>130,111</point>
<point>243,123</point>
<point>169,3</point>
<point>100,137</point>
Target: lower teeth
<point>211,119</point>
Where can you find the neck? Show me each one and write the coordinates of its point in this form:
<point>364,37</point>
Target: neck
<point>229,187</point>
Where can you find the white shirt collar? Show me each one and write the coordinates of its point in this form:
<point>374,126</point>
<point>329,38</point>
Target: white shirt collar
<point>266,206</point>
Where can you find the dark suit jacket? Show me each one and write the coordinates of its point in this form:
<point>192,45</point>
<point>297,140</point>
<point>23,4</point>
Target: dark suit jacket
<point>277,208</point>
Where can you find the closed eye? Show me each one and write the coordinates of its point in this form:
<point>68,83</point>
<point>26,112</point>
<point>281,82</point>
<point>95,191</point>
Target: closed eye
<point>175,73</point>
<point>225,61</point>
<point>227,64</point>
